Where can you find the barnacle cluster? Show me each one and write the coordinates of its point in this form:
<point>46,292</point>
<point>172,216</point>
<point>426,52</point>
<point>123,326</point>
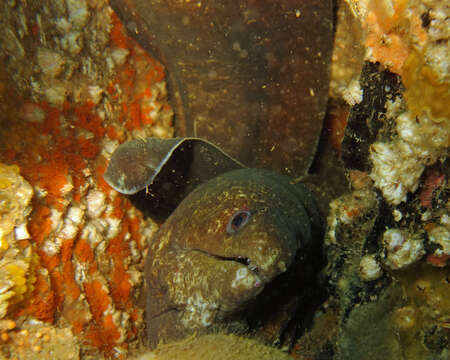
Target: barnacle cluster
<point>422,118</point>
<point>16,257</point>
<point>402,248</point>
<point>396,170</point>
<point>399,164</point>
<point>369,268</point>
<point>63,30</point>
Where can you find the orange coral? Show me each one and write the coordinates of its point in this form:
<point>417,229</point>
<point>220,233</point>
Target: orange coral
<point>50,262</point>
<point>134,226</point>
<point>70,286</point>
<point>335,124</point>
<point>390,33</point>
<point>60,155</point>
<point>58,287</point>
<point>97,298</point>
<point>84,251</point>
<point>120,285</point>
<point>41,226</point>
<point>103,333</point>
<point>42,304</point>
<point>88,120</point>
<point>388,47</point>
<point>118,38</point>
<point>48,159</point>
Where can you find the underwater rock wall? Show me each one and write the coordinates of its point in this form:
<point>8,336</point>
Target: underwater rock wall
<point>17,260</point>
<point>388,240</point>
<point>73,87</point>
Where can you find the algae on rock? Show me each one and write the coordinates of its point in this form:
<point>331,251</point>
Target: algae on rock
<point>215,347</point>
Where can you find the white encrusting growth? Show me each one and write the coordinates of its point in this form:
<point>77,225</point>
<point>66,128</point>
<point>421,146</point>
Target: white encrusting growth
<point>402,248</point>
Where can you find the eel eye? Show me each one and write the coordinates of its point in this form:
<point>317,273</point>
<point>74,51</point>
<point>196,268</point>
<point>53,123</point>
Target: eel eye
<point>238,221</point>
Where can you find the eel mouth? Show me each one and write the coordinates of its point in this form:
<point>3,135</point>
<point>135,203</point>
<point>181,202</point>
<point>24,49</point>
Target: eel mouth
<point>247,262</point>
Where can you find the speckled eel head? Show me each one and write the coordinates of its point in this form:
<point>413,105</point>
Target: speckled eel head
<point>233,250</point>
<point>225,242</point>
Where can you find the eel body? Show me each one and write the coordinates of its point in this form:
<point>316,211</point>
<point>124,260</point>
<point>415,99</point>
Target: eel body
<point>250,76</point>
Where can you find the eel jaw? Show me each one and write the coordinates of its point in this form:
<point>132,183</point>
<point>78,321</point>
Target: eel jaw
<point>247,262</point>
<point>244,261</point>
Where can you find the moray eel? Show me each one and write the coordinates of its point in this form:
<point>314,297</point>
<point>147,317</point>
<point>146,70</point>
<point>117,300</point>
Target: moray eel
<point>234,248</point>
<point>251,77</point>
